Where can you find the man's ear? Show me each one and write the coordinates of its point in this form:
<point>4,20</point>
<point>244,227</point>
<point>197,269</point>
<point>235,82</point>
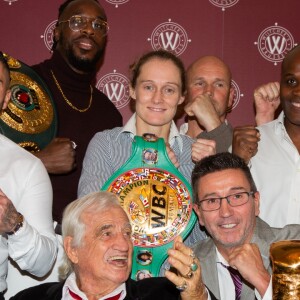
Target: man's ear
<point>70,250</point>
<point>256,197</point>
<point>6,99</point>
<point>231,98</point>
<point>56,34</point>
<point>198,213</point>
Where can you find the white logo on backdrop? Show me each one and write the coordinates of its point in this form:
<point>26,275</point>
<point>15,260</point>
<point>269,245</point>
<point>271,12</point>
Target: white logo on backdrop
<point>117,2</point>
<point>224,3</point>
<point>274,42</point>
<point>236,94</point>
<point>48,35</point>
<point>116,87</point>
<point>10,1</point>
<point>169,36</point>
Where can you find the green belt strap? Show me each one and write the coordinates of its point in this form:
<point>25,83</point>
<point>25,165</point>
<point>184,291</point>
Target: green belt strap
<point>158,201</point>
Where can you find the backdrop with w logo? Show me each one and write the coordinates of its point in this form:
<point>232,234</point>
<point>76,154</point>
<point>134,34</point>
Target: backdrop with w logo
<point>251,36</point>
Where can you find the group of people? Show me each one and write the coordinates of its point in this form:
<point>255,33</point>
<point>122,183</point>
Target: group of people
<point>93,243</point>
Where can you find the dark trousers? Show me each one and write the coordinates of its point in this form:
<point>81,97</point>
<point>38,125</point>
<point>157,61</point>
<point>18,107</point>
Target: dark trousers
<point>1,296</point>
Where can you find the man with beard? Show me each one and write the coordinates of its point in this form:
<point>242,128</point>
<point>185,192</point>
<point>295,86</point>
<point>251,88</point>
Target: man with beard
<point>79,43</point>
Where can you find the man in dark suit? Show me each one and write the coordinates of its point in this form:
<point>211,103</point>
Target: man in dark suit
<point>98,256</point>
<point>227,204</point>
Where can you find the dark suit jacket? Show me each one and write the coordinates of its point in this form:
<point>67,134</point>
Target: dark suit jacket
<point>158,288</point>
<point>264,236</point>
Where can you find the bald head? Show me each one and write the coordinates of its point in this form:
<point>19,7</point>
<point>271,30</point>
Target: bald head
<point>210,63</point>
<point>290,58</point>
<point>209,75</point>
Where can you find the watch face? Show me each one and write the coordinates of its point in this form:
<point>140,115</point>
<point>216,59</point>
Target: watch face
<point>158,204</point>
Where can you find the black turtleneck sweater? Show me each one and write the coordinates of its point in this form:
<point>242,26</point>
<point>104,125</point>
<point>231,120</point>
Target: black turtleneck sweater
<point>80,127</point>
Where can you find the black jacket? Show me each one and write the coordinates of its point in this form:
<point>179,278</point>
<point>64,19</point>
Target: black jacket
<point>158,288</point>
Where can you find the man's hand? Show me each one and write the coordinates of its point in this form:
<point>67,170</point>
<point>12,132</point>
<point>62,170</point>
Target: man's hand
<point>181,258</point>
<point>245,142</point>
<point>8,214</point>
<point>266,100</point>
<point>59,156</point>
<point>202,148</point>
<point>202,108</point>
<point>247,260</point>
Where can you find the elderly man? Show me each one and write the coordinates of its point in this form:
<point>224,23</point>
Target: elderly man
<point>234,260</point>
<point>209,98</point>
<point>26,226</point>
<point>98,256</point>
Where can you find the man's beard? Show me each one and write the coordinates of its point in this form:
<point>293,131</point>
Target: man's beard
<point>83,64</point>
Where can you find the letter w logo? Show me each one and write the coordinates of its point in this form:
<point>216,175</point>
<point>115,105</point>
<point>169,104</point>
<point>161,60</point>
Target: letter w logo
<point>273,43</point>
<point>114,91</point>
<point>169,40</point>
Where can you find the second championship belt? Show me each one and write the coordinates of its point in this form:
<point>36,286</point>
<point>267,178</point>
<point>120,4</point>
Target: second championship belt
<point>158,200</point>
<point>30,118</point>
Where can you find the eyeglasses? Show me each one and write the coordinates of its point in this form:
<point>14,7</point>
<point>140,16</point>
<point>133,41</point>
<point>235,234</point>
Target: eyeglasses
<point>77,23</point>
<point>238,199</point>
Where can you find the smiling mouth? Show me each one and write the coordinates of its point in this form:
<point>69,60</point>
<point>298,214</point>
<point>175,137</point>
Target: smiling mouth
<point>296,104</point>
<point>228,226</point>
<point>85,43</point>
<point>118,260</point>
<point>156,109</point>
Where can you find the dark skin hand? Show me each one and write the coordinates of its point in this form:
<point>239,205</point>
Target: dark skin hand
<point>245,142</point>
<point>59,156</point>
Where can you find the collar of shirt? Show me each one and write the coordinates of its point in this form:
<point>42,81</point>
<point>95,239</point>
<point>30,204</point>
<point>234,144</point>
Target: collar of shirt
<point>71,284</point>
<point>279,124</point>
<point>130,127</point>
<point>226,286</point>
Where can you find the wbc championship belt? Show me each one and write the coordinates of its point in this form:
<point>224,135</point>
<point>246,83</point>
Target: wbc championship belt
<point>158,201</point>
<point>30,119</point>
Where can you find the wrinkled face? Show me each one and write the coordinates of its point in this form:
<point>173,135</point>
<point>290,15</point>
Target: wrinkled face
<point>81,49</point>
<point>105,257</point>
<point>229,226</point>
<point>290,89</point>
<point>211,76</point>
<point>4,87</point>
<point>157,92</point>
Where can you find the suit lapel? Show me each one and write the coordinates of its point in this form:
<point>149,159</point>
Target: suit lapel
<point>206,252</point>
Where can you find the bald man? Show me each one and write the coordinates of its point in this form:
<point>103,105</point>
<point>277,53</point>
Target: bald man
<point>209,98</point>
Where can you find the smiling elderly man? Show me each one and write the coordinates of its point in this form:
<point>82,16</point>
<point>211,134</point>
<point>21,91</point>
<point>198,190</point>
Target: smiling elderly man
<point>98,257</point>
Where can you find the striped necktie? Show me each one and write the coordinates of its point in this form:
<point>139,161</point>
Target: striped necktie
<point>237,280</point>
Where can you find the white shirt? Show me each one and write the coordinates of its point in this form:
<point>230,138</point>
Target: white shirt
<point>276,172</point>
<point>226,285</point>
<point>25,181</point>
<point>71,284</point>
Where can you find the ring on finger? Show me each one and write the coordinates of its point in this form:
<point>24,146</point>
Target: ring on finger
<point>182,287</point>
<point>193,267</point>
<point>189,275</point>
<point>74,145</point>
<point>192,255</point>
